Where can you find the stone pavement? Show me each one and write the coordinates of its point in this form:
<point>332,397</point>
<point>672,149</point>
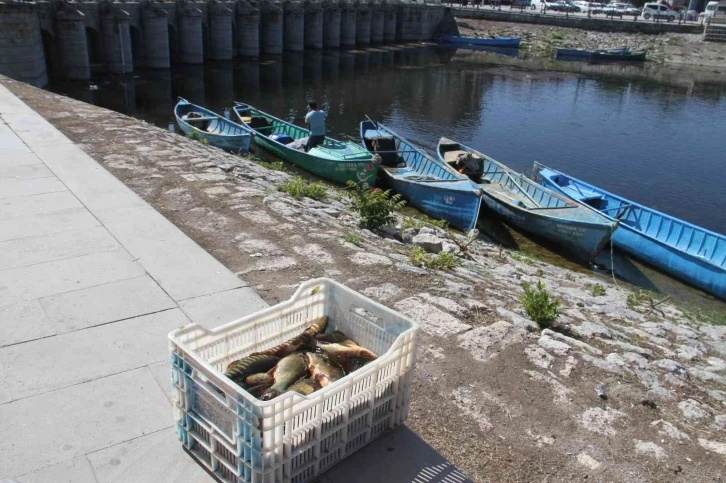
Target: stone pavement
<point>92,279</point>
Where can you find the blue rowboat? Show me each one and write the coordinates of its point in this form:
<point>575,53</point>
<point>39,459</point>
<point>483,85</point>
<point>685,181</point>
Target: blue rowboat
<point>428,184</point>
<point>215,129</point>
<point>532,207</point>
<point>512,42</point>
<point>689,252</point>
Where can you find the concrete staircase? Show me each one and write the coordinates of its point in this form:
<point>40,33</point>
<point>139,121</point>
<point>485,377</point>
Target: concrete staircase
<point>715,32</point>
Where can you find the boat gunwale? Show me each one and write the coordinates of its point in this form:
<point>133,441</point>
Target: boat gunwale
<point>645,208</point>
<point>289,149</point>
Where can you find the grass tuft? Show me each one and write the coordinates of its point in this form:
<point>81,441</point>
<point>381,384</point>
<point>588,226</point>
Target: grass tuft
<point>540,305</point>
<point>299,188</point>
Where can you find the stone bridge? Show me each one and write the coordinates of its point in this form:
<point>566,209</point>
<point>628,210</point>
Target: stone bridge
<point>76,39</point>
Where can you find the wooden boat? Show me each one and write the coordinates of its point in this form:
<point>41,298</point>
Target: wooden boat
<point>532,207</point>
<point>512,42</point>
<point>618,56</point>
<point>428,184</point>
<point>689,252</point>
<point>333,160</point>
<point>215,129</point>
<point>611,55</point>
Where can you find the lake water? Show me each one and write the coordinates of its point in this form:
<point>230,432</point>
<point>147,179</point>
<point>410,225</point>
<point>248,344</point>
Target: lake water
<point>657,144</point>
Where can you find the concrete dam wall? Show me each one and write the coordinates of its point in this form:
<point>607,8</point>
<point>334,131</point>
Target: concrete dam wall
<point>73,40</point>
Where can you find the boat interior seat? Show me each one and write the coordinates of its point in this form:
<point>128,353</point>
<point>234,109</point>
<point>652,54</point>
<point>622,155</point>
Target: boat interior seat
<point>260,123</point>
<point>383,144</point>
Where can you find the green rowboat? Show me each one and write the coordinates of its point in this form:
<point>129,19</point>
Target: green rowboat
<point>333,160</point>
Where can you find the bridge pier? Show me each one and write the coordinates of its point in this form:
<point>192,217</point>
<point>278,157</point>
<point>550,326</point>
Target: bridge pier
<point>271,25</point>
<point>70,30</point>
<point>406,29</point>
<point>294,26</point>
<point>156,37</point>
<point>363,25</point>
<point>21,45</point>
<point>331,24</point>
<point>191,44</point>
<point>248,30</point>
<point>377,22</point>
<point>221,43</point>
<point>347,24</point>
<point>313,25</point>
<point>389,23</point>
<point>117,40</point>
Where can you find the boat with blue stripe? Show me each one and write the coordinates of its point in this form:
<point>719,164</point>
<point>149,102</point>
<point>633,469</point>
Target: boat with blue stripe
<point>511,42</point>
<point>687,251</point>
<point>424,181</point>
<point>217,130</point>
<point>530,206</point>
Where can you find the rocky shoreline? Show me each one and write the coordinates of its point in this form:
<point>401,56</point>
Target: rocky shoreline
<point>619,389</point>
<point>541,41</point>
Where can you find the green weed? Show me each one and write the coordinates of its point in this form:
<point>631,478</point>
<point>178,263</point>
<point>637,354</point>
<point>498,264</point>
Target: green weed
<point>299,188</point>
<point>442,261</point>
<point>352,237</point>
<point>540,305</point>
<point>598,290</point>
<point>376,208</point>
<point>557,36</point>
<point>420,222</point>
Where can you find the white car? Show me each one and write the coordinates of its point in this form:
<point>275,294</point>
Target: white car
<point>714,9</point>
<point>656,10</point>
<point>583,6</point>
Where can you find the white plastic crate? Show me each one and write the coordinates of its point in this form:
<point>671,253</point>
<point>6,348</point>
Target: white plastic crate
<point>292,438</point>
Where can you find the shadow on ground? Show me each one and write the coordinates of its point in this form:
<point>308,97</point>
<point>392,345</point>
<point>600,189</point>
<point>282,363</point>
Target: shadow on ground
<point>401,456</point>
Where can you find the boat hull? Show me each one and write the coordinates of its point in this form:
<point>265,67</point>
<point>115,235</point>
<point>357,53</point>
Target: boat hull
<point>460,208</point>
<point>336,171</point>
<point>228,143</point>
<point>585,239</point>
<point>693,269</point>
<point>618,57</point>
<point>512,42</point>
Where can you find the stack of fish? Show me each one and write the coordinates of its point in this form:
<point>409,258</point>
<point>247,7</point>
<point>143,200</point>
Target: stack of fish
<point>303,364</point>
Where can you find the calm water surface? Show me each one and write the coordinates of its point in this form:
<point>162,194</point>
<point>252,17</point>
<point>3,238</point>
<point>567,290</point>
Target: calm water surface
<point>659,145</point>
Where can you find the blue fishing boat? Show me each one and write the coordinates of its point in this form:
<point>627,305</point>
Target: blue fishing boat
<point>215,129</point>
<point>689,252</point>
<point>428,184</point>
<point>512,42</point>
<point>530,206</point>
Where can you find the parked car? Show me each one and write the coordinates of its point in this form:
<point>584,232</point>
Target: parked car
<point>523,4</point>
<point>545,4</point>
<point>584,6</point>
<point>713,9</point>
<point>656,10</point>
<point>597,8</point>
<point>612,10</point>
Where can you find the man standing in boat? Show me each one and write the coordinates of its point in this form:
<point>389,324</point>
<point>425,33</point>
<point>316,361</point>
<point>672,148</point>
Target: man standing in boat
<point>316,120</point>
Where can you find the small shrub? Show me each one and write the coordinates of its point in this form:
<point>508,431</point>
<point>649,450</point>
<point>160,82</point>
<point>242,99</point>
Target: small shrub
<point>442,261</point>
<point>540,305</point>
<point>557,36</point>
<point>351,237</point>
<point>418,256</point>
<point>635,299</point>
<point>299,188</point>
<point>598,290</point>
<point>445,261</point>
<point>376,208</point>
